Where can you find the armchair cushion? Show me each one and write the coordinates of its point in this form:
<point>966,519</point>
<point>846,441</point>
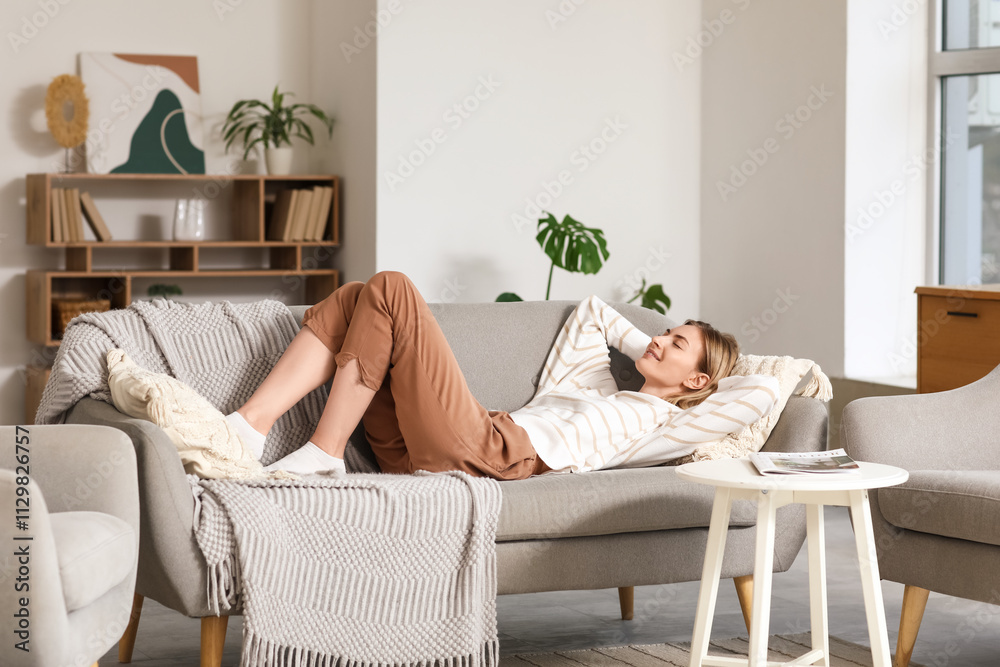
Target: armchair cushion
<point>963,504</point>
<point>95,551</point>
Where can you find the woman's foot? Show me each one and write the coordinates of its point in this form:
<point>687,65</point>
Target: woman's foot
<point>252,438</point>
<point>306,460</point>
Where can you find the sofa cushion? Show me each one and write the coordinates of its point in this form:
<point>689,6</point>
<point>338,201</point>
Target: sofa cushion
<point>606,502</point>
<point>95,551</point>
<point>208,445</point>
<point>964,504</point>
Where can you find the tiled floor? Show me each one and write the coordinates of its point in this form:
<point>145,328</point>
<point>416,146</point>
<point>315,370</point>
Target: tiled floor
<point>954,632</point>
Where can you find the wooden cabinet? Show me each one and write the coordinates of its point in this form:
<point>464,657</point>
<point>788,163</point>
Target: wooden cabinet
<point>958,335</point>
<point>248,200</point>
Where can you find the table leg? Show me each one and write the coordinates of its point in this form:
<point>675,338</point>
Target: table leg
<point>817,582</point>
<point>864,535</point>
<point>714,551</point>
<point>762,575</point>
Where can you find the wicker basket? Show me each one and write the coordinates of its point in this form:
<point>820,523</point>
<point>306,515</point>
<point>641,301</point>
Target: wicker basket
<point>63,310</point>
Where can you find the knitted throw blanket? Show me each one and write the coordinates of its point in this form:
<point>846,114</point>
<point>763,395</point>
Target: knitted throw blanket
<point>221,350</point>
<point>366,570</point>
<point>363,569</point>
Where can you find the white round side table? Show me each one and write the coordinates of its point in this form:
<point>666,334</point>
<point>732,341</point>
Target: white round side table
<point>735,479</point>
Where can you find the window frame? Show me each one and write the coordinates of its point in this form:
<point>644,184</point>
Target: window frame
<point>941,64</point>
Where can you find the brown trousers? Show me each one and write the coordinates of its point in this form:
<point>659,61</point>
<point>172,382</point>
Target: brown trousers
<point>423,416</point>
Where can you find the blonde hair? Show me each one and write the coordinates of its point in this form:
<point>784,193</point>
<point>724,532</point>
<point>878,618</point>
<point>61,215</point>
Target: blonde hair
<point>720,353</point>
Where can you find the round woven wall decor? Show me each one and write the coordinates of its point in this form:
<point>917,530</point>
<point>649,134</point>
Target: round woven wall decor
<point>67,88</point>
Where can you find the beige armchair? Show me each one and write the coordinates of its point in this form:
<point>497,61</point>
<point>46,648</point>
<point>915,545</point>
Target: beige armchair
<point>70,535</point>
<point>940,531</point>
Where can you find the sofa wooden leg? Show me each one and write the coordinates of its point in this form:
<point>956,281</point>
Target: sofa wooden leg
<point>127,642</point>
<point>744,591</point>
<point>626,600</point>
<point>213,637</point>
<point>914,602</point>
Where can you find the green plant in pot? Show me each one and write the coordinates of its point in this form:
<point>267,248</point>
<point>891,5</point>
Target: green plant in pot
<point>578,249</point>
<point>272,126</point>
<point>163,290</point>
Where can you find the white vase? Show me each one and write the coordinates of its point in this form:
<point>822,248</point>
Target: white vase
<point>278,160</point>
<point>189,220</point>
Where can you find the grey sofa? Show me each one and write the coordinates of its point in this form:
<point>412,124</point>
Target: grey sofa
<point>82,521</point>
<point>938,531</point>
<point>606,529</point>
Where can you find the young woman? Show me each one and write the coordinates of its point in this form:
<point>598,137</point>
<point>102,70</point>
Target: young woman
<point>393,369</point>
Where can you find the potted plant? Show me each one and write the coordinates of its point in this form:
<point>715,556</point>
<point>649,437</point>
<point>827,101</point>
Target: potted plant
<point>254,122</point>
<point>163,291</point>
<point>578,249</point>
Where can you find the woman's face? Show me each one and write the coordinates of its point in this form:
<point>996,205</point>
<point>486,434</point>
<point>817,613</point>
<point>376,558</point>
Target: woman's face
<point>670,364</point>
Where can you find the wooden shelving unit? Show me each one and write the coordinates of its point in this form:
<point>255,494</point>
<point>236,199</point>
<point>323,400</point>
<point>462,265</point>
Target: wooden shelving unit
<point>251,198</point>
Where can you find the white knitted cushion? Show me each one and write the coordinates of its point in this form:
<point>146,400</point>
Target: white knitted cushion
<point>208,446</point>
<point>789,371</point>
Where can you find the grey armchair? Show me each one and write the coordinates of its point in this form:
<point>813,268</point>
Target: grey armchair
<point>940,531</point>
<point>68,571</point>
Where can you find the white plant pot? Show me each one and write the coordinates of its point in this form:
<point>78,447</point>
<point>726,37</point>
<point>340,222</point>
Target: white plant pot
<point>278,160</point>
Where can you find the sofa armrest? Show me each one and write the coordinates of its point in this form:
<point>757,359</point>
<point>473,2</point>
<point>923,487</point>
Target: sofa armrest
<point>802,427</point>
<point>172,569</point>
<point>947,430</point>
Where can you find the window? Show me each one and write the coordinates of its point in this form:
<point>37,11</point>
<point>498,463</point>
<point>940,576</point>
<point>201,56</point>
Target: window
<point>965,94</point>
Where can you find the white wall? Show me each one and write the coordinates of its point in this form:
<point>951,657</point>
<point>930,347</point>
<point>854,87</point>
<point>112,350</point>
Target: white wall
<point>343,65</point>
<point>772,267</point>
<point>551,86</point>
<point>885,189</point>
<point>242,53</point>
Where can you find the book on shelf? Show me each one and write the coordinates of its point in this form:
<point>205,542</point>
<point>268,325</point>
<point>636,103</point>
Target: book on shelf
<point>93,217</point>
<point>297,225</point>
<point>833,462</point>
<point>279,215</point>
<point>58,224</point>
<point>74,216</point>
<point>300,214</point>
<point>311,221</point>
<point>318,229</point>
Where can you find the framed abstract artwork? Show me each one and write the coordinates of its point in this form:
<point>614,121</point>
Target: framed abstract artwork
<point>145,114</point>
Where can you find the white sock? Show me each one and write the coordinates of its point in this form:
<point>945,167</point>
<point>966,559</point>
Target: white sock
<point>306,460</point>
<point>252,438</point>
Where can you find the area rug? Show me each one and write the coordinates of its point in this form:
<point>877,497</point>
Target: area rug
<point>781,648</point>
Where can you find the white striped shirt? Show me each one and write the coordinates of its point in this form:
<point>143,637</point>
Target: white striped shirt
<point>579,421</point>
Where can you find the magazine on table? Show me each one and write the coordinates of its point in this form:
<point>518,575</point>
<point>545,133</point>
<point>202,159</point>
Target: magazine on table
<point>833,462</point>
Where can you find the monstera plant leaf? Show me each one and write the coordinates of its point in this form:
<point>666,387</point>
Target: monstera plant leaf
<point>654,296</point>
<point>571,246</point>
<point>508,297</point>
